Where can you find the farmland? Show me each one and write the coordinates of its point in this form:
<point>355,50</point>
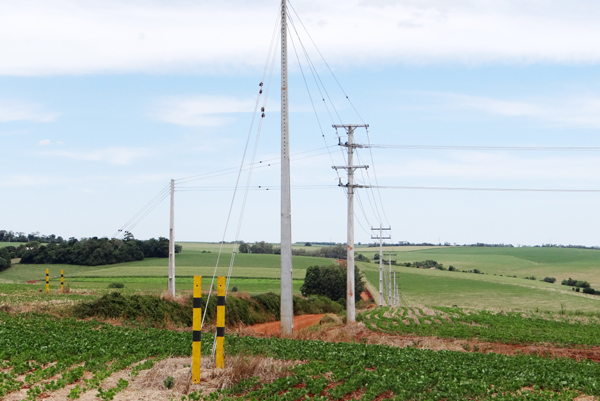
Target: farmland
<point>258,273</point>
<point>43,354</point>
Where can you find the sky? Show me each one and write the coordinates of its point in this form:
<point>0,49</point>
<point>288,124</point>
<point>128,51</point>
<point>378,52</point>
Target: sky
<point>102,103</point>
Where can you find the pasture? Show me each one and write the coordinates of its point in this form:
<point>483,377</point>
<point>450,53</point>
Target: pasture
<point>259,273</point>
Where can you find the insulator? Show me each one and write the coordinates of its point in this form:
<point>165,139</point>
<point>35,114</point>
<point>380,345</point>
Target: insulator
<point>263,115</point>
<point>260,91</point>
<point>260,84</point>
<point>262,109</point>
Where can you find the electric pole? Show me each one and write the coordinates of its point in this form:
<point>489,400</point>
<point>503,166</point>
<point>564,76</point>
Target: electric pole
<point>350,282</point>
<point>390,301</point>
<point>171,286</point>
<point>381,238</point>
<point>287,300</point>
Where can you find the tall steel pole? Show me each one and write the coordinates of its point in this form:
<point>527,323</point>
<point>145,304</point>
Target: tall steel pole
<point>350,279</point>
<point>171,285</point>
<point>287,301</point>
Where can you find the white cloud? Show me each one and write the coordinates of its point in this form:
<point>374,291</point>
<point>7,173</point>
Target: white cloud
<point>17,110</point>
<point>33,180</point>
<point>582,111</point>
<point>201,110</point>
<point>44,142</point>
<point>568,170</point>
<point>114,155</point>
<point>40,37</point>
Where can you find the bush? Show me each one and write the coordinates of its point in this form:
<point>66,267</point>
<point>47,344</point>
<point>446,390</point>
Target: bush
<point>550,280</point>
<point>451,268</point>
<point>477,271</point>
<point>234,289</point>
<point>576,283</point>
<point>151,309</point>
<point>530,278</point>
<point>331,282</point>
<point>116,285</point>
<point>589,290</point>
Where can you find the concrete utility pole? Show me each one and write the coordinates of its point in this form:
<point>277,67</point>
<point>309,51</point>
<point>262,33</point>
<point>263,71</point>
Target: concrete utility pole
<point>390,299</point>
<point>171,285</point>
<point>395,291</point>
<point>381,238</point>
<point>350,282</point>
<point>287,301</point>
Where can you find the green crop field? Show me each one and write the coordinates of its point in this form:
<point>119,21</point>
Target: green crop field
<point>494,289</point>
<point>256,273</point>
<point>41,355</point>
<point>503,327</point>
<point>252,273</point>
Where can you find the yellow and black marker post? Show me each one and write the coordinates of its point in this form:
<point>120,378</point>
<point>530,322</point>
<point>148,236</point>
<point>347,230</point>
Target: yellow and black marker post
<point>47,280</point>
<point>62,281</point>
<point>220,357</point>
<point>197,330</point>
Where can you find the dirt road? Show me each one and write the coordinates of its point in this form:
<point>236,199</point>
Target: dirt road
<point>299,323</point>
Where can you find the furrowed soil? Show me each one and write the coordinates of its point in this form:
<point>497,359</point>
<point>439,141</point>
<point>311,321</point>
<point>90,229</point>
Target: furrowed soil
<point>359,333</point>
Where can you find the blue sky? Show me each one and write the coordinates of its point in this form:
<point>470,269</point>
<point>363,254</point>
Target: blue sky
<point>103,102</point>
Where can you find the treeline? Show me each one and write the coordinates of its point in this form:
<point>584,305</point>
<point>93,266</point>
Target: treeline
<point>335,252</point>
<point>4,259</point>
<point>91,251</point>
<point>19,236</point>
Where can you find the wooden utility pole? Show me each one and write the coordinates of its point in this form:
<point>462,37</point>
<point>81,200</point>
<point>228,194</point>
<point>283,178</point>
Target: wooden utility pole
<point>350,280</point>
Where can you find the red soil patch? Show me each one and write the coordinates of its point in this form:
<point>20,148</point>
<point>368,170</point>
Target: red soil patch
<point>299,323</point>
<point>32,281</point>
<point>364,296</point>
<point>360,334</point>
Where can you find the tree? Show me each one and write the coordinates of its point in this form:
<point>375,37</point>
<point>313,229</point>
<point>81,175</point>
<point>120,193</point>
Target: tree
<point>307,244</point>
<point>243,247</point>
<point>331,282</point>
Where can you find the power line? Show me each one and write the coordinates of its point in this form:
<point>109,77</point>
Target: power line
<point>507,148</point>
<point>490,189</point>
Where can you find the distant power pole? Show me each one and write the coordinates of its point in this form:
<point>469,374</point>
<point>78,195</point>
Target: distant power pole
<point>381,238</point>
<point>390,299</point>
<point>171,286</point>
<point>396,297</point>
<point>350,282</point>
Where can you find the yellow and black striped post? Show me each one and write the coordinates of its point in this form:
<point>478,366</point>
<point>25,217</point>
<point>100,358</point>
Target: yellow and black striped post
<point>47,280</point>
<point>197,330</point>
<point>220,357</point>
<point>62,281</point>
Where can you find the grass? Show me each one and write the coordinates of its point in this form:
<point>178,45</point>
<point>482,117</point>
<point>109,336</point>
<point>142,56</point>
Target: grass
<point>560,263</point>
<point>445,288</point>
<point>195,259</point>
<point>260,273</point>
<point>5,244</point>
<point>183,283</point>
